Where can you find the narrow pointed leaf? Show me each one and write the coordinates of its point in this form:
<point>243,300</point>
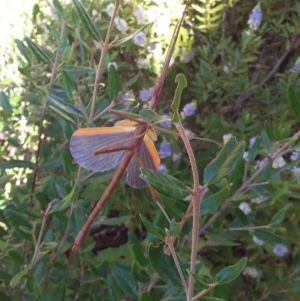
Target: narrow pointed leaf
<point>38,52</point>
<point>123,276</point>
<point>66,202</point>
<point>139,274</point>
<point>16,219</point>
<point>200,281</point>
<point>153,229</point>
<point>210,204</point>
<point>164,265</point>
<point>150,116</point>
<point>165,184</point>
<point>175,228</point>
<point>59,9</point>
<point>78,70</point>
<point>230,273</point>
<point>293,101</point>
<point>4,102</point>
<point>254,149</point>
<point>16,163</point>
<point>86,21</point>
<point>69,84</point>
<point>113,83</point>
<point>269,131</point>
<point>129,37</point>
<point>268,236</point>
<point>225,161</point>
<point>279,216</point>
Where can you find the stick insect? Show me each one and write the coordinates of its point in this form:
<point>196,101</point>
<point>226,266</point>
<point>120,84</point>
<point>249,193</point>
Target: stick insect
<point>129,144</point>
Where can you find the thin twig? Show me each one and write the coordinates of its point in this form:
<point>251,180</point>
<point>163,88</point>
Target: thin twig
<point>170,242</point>
<point>104,49</point>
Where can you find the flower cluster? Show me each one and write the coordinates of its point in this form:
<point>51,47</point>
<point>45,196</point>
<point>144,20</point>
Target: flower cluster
<point>145,94</point>
<point>278,162</point>
<point>258,241</point>
<point>245,208</point>
<point>189,109</point>
<point>255,18</point>
<point>226,137</point>
<point>259,199</point>
<point>165,123</point>
<point>280,250</point>
<point>165,150</point>
<point>140,38</point>
<point>252,272</point>
<point>296,67</point>
<point>143,64</point>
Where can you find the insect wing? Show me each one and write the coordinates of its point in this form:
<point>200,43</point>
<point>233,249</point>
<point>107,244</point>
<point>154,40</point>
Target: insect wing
<point>86,140</point>
<point>150,158</point>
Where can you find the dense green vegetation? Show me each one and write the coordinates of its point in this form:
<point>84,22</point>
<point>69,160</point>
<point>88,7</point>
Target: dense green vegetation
<point>240,62</point>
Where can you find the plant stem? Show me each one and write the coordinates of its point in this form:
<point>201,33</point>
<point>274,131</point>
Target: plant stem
<point>104,49</point>
<point>170,242</point>
<point>196,199</point>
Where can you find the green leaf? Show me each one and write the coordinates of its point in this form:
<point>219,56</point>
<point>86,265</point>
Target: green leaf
<point>4,180</point>
<point>129,37</point>
<point>164,265</point>
<point>16,219</point>
<point>225,162</point>
<point>139,274</point>
<point>113,83</point>
<point>78,70</point>
<point>16,163</point>
<point>33,287</point>
<point>199,280</point>
<point>4,297</point>
<point>269,131</point>
<point>5,277</point>
<point>59,104</point>
<point>39,52</point>
<point>132,80</point>
<point>230,273</point>
<point>150,116</point>
<point>30,212</point>
<point>181,84</point>
<point>268,236</point>
<point>294,103</point>
<point>253,151</point>
<point>23,50</point>
<point>279,216</point>
<point>139,256</point>
<point>86,21</point>
<point>115,292</point>
<point>124,278</point>
<point>153,229</point>
<point>69,84</point>
<point>241,216</point>
<point>165,184</point>
<point>218,293</point>
<point>15,281</point>
<point>267,144</point>
<point>4,102</point>
<point>59,9</point>
<point>211,203</point>
<point>68,164</point>
<point>145,296</point>
<point>16,257</point>
<point>175,228</point>
<point>62,114</point>
<point>66,202</point>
